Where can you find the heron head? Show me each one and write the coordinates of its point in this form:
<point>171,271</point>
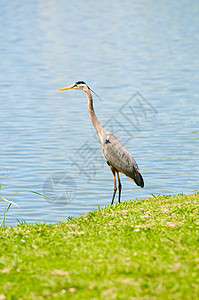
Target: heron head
<point>79,85</point>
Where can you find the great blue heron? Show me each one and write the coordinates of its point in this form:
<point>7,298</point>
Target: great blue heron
<point>118,157</point>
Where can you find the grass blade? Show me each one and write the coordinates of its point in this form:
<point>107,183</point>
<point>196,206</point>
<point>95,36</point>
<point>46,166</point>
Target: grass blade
<point>11,202</point>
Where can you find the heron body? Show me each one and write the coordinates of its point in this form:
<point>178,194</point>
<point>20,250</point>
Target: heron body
<point>116,154</point>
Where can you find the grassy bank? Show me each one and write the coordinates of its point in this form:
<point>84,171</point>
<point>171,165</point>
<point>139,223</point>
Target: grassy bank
<point>137,250</point>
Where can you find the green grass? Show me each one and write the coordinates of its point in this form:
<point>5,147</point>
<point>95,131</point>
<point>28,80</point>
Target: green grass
<point>144,249</point>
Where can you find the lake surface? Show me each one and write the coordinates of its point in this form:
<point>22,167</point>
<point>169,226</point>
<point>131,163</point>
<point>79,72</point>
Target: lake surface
<point>141,57</point>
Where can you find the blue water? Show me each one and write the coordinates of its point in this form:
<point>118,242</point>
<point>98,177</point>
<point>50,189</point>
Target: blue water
<point>141,57</point>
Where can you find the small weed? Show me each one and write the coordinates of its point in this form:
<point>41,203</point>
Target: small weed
<point>11,202</point>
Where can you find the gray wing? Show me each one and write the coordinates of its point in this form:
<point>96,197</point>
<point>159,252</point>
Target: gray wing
<point>120,158</point>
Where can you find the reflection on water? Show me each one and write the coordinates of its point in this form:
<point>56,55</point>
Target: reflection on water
<point>130,48</point>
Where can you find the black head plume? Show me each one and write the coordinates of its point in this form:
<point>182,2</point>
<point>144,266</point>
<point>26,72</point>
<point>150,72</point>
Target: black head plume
<point>95,94</point>
<point>80,82</point>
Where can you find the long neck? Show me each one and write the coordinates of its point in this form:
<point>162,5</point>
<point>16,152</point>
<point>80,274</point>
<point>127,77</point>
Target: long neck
<point>92,114</point>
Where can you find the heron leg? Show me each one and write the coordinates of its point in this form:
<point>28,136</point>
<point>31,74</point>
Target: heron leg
<point>115,185</point>
<point>119,186</point>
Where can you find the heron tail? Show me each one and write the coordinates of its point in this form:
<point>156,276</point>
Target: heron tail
<point>137,178</point>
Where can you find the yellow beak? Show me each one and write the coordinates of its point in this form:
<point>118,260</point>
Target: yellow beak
<point>67,88</point>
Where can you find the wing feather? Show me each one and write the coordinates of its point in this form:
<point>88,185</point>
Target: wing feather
<point>121,159</point>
